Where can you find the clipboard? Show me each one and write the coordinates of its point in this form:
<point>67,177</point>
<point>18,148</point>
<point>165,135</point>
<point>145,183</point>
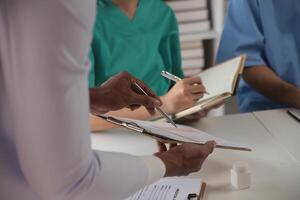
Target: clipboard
<point>169,188</point>
<point>202,191</point>
<point>141,130</point>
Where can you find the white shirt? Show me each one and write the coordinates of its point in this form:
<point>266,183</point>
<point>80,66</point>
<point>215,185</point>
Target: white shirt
<point>45,150</point>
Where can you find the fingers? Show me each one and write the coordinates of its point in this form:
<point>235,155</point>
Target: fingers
<point>149,102</point>
<point>194,117</point>
<point>219,104</point>
<point>161,146</point>
<point>199,152</point>
<point>202,114</point>
<point>148,90</point>
<point>210,146</point>
<point>172,145</point>
<point>186,158</point>
<point>196,88</point>
<point>205,149</point>
<point>134,107</point>
<point>193,80</point>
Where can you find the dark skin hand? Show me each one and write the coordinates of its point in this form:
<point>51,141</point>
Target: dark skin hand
<point>184,159</point>
<point>119,92</point>
<point>265,81</point>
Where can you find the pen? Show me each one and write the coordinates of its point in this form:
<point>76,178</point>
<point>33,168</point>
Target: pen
<point>293,115</point>
<point>156,107</point>
<point>172,77</point>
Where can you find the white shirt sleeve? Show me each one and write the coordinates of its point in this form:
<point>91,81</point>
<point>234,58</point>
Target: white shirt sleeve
<point>156,168</point>
<point>46,85</point>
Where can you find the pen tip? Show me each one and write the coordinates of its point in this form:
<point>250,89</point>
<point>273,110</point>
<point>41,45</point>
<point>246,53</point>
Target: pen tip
<point>174,125</point>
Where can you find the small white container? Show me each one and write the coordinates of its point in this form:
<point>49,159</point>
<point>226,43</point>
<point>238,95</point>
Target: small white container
<point>240,176</point>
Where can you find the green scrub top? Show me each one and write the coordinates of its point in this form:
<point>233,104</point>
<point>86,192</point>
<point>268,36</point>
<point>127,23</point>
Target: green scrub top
<point>143,46</point>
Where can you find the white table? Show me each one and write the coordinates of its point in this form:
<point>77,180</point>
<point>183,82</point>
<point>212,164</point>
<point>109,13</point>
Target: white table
<point>284,128</point>
<point>275,171</point>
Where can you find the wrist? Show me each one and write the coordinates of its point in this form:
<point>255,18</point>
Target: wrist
<point>166,106</point>
<point>297,99</point>
<point>171,165</point>
<point>294,97</point>
<point>98,102</point>
<point>156,168</point>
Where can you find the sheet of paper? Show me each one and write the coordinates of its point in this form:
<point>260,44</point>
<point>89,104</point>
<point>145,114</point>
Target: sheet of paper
<point>181,133</point>
<point>175,188</point>
<point>219,79</point>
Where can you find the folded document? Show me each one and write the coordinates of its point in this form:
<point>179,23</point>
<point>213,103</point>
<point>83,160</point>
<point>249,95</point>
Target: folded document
<point>178,188</point>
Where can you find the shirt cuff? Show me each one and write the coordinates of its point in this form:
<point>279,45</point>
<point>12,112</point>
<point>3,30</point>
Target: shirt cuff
<point>156,168</point>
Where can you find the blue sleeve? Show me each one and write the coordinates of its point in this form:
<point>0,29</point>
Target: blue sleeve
<point>243,33</point>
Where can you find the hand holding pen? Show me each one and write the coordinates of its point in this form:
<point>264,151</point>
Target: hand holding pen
<point>174,78</point>
<point>165,115</point>
<point>184,94</point>
<point>119,92</point>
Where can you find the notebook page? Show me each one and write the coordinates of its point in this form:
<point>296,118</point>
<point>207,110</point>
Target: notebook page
<point>173,188</point>
<point>181,133</point>
<point>219,79</point>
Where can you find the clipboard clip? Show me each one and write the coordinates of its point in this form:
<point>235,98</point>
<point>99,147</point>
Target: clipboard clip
<point>192,196</point>
<point>129,125</point>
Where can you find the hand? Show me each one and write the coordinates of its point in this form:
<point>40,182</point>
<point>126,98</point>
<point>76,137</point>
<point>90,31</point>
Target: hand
<point>192,117</point>
<point>184,94</point>
<point>119,92</point>
<point>198,115</point>
<point>185,159</point>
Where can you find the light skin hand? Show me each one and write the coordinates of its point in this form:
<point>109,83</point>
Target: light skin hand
<point>198,115</point>
<point>183,95</point>
<point>119,92</point>
<point>98,124</point>
<point>184,159</point>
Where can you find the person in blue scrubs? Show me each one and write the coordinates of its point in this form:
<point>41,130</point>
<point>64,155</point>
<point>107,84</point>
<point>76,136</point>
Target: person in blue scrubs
<point>268,32</point>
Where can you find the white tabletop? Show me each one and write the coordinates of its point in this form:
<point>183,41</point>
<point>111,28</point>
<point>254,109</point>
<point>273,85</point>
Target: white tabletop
<point>284,128</point>
<point>275,172</point>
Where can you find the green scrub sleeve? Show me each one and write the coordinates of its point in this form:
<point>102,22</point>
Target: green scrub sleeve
<point>170,50</point>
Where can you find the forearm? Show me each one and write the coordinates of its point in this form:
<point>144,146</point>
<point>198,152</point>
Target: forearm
<point>97,124</point>
<point>50,130</point>
<point>265,81</point>
<point>99,101</point>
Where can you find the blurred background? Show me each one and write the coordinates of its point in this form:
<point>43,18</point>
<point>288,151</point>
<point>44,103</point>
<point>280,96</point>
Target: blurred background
<point>200,26</point>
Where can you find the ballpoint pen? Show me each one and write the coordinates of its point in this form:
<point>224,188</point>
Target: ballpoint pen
<point>172,77</point>
<point>156,107</point>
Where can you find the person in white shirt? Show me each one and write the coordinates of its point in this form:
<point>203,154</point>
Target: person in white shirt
<point>45,150</point>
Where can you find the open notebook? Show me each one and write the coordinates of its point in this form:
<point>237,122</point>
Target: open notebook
<point>220,81</point>
<point>174,188</point>
<point>165,132</point>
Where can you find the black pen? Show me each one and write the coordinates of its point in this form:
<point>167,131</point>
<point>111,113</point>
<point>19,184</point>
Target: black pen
<point>294,114</point>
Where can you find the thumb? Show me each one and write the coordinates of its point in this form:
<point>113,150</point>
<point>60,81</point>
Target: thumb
<point>209,146</point>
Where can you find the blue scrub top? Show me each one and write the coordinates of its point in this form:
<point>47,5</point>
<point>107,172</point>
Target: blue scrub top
<point>268,32</point>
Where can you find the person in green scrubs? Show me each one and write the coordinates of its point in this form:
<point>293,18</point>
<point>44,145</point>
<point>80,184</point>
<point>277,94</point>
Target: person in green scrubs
<point>140,37</point>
